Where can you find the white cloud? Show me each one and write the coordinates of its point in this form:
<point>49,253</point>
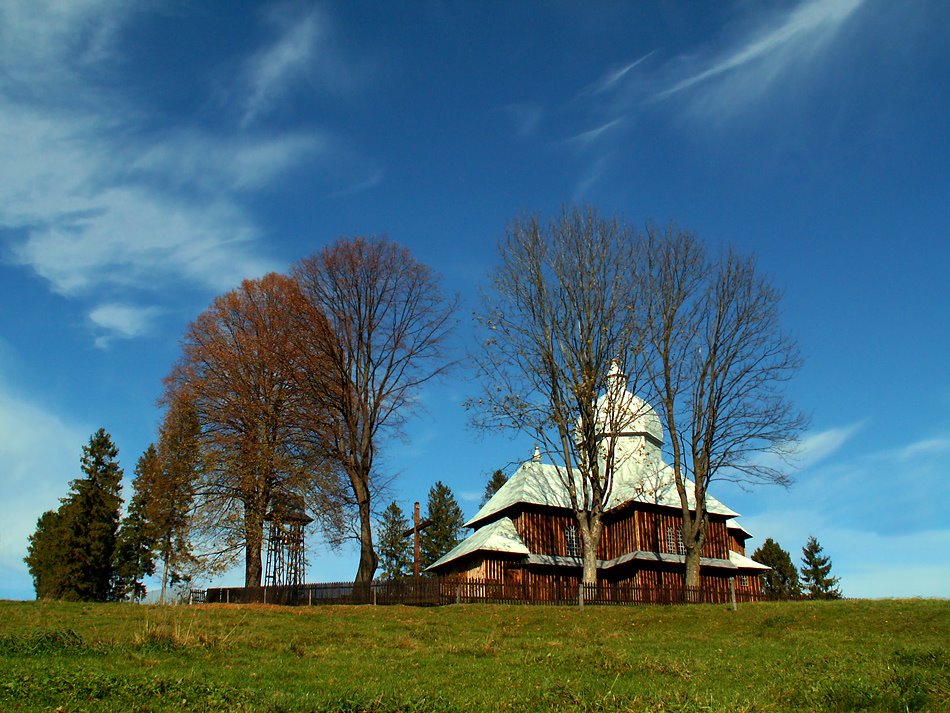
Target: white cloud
<point>122,321</point>
<point>95,205</point>
<point>817,446</point>
<point>304,51</point>
<point>742,72</point>
<point>136,238</point>
<point>270,73</point>
<point>48,42</point>
<point>613,78</point>
<point>924,447</point>
<point>221,164</point>
<point>585,138</point>
<point>39,455</point>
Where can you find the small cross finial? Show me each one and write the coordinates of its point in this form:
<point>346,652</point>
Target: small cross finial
<point>536,456</point>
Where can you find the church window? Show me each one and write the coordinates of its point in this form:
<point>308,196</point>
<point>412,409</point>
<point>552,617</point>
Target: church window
<point>573,540</point>
<point>674,541</point>
<point>743,580</point>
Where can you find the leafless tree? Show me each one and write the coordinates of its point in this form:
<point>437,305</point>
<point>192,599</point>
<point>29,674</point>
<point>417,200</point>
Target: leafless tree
<point>718,361</point>
<point>379,324</point>
<point>561,309</point>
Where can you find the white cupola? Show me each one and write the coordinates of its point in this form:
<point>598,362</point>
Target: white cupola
<point>630,420</point>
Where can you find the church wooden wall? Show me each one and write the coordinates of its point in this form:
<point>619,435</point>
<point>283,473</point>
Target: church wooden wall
<point>646,530</point>
<point>543,532</point>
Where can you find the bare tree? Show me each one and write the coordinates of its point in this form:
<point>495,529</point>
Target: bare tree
<point>718,360</point>
<point>379,323</point>
<point>234,371</point>
<point>560,311</point>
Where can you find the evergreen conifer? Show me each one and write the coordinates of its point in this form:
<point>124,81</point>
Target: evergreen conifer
<point>394,548</point>
<point>816,572</point>
<point>497,479</point>
<point>781,582</point>
<point>446,524</point>
<point>134,557</point>
<point>70,555</point>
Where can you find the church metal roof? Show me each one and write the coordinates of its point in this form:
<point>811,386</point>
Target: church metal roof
<point>499,536</point>
<point>635,481</point>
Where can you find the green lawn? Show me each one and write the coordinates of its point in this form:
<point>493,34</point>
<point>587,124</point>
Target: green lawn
<point>798,656</point>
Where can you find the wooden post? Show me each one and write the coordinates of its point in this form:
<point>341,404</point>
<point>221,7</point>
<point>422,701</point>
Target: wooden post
<point>580,596</point>
<point>732,592</point>
<point>417,543</point>
<point>458,593</point>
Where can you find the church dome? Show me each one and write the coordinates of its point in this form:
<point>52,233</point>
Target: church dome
<point>622,413</point>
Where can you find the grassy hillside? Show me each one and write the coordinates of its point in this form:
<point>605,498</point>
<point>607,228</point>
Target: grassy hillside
<point>818,656</point>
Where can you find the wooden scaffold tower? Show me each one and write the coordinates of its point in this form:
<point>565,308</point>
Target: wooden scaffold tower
<point>286,546</point>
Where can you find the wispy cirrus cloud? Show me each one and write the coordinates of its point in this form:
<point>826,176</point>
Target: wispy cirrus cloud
<point>305,50</point>
<point>121,321</point>
<point>726,82</point>
<point>819,445</point>
<point>106,209</point>
<point>270,73</point>
<point>708,84</point>
<point>613,77</point>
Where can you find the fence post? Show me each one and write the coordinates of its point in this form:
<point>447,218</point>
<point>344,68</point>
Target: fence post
<point>580,596</point>
<point>732,592</point>
<point>374,595</point>
<point>458,593</point>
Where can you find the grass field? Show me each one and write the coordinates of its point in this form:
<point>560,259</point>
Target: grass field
<point>797,656</point>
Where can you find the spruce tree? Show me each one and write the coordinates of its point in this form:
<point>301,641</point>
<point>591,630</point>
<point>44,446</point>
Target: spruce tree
<point>446,524</point>
<point>171,485</point>
<point>47,559</point>
<point>497,479</point>
<point>781,582</point>
<point>393,547</point>
<point>816,572</point>
<point>96,501</point>
<point>71,553</point>
<point>134,557</point>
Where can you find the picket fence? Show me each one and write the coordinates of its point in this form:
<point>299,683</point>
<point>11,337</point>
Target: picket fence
<point>439,591</point>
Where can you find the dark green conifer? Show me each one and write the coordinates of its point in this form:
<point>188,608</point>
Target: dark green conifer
<point>497,479</point>
<point>71,553</point>
<point>816,573</point>
<point>393,546</point>
<point>781,582</point>
<point>446,524</point>
<point>134,557</point>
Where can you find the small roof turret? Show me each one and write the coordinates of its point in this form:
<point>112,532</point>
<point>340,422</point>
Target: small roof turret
<point>623,413</point>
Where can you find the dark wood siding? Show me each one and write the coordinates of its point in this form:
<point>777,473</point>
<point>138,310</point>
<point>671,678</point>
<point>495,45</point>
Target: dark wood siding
<point>543,532</point>
<point>645,529</point>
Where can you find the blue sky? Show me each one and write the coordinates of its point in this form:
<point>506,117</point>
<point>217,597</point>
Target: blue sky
<point>153,154</point>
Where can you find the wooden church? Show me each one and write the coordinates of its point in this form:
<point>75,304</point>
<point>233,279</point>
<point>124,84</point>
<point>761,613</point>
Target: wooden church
<point>527,533</point>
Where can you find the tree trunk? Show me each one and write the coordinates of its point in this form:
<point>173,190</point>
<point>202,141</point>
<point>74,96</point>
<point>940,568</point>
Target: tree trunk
<point>692,568</point>
<point>254,533</point>
<point>164,577</point>
<point>694,536</point>
<point>591,541</point>
<point>368,558</point>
